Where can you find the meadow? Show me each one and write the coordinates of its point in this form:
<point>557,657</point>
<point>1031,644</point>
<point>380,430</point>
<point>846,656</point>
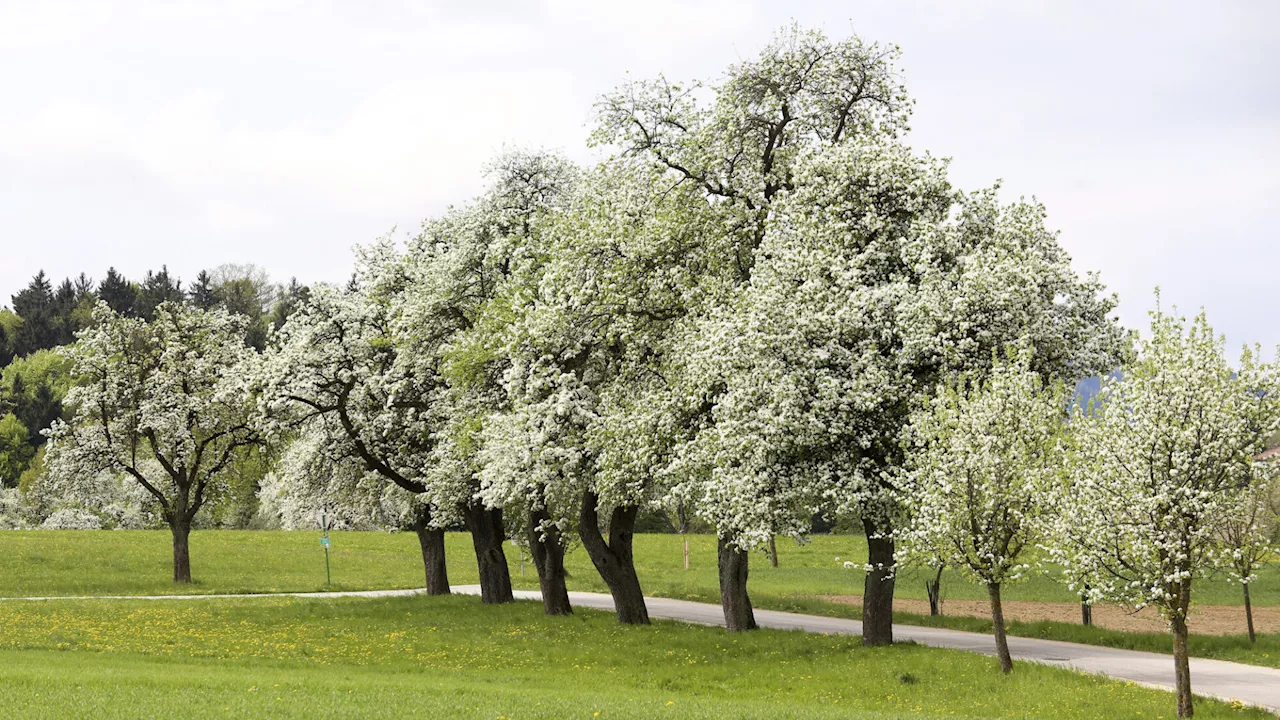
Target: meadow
<point>452,657</point>
<point>134,562</point>
<point>84,563</point>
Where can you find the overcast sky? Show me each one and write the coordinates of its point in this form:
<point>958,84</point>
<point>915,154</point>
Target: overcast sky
<point>284,133</point>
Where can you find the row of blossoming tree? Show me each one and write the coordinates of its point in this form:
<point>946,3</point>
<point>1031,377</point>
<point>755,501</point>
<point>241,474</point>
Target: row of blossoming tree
<point>761,304</point>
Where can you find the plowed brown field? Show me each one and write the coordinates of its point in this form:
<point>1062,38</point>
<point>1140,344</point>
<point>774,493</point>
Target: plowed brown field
<point>1205,619</point>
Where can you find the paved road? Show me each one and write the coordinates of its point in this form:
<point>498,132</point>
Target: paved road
<point>1232,681</point>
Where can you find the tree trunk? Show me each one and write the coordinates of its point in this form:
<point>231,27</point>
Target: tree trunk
<point>487,537</point>
<point>1181,663</point>
<point>733,587</point>
<point>1086,611</point>
<point>1248,615</point>
<point>1182,668</point>
<point>773,552</point>
<point>614,560</point>
<point>877,593</point>
<point>548,557</point>
<point>433,559</point>
<point>933,589</point>
<point>997,625</point>
<point>181,551</point>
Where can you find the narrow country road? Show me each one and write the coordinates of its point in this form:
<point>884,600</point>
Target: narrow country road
<point>1227,680</point>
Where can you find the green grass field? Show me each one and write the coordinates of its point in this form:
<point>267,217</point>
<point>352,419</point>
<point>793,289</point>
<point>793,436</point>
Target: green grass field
<point>452,657</point>
<point>40,563</point>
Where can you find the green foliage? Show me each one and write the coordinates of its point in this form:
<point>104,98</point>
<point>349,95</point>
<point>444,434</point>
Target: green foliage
<point>45,367</point>
<point>9,325</point>
<point>15,450</point>
<point>238,504</point>
<point>35,468</point>
<point>292,296</point>
<point>242,296</point>
<point>36,503</point>
<point>9,321</point>
<point>32,389</point>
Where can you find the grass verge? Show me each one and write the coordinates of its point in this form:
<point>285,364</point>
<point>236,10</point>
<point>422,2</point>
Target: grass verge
<point>452,657</point>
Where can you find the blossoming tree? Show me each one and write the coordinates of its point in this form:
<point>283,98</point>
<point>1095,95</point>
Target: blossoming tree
<point>1158,466</point>
<point>974,488</point>
<point>314,481</point>
<point>1248,533</point>
<point>332,377</point>
<point>672,228</point>
<point>593,309</point>
<point>875,283</point>
<point>401,371</point>
<point>165,403</point>
<point>473,271</point>
<point>317,481</point>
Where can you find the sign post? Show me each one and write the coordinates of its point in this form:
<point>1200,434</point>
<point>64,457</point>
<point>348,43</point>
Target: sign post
<point>324,542</point>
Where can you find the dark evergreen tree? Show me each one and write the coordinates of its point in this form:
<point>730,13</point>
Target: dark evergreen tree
<point>11,397</point>
<point>34,304</point>
<point>64,307</point>
<point>158,288</point>
<point>37,410</point>
<point>203,294</point>
<point>82,313</point>
<point>117,292</point>
<point>84,287</point>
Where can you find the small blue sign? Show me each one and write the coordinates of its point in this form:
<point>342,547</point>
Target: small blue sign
<point>324,542</point>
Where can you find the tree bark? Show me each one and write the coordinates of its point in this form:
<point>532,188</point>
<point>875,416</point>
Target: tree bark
<point>548,557</point>
<point>1086,611</point>
<point>613,559</point>
<point>773,552</point>
<point>933,589</point>
<point>1181,663</point>
<point>1248,615</point>
<point>877,593</point>
<point>487,537</point>
<point>1182,668</point>
<point>997,625</point>
<point>181,550</point>
<point>433,558</point>
<point>733,561</point>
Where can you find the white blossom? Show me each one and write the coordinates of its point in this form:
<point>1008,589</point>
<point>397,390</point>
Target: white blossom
<point>165,403</point>
<point>1158,467</point>
<point>974,488</point>
<point>72,519</point>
